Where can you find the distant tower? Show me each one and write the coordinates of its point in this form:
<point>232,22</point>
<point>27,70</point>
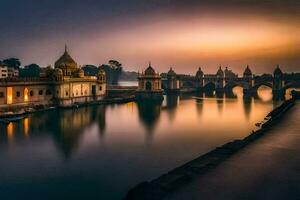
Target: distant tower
<point>173,82</point>
<point>277,81</point>
<point>199,77</point>
<point>219,80</point>
<point>149,85</point>
<point>248,76</point>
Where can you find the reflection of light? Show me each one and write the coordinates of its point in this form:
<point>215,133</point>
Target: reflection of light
<point>288,92</point>
<point>9,95</point>
<point>238,91</point>
<point>26,94</point>
<point>26,126</point>
<point>10,130</point>
<point>264,93</point>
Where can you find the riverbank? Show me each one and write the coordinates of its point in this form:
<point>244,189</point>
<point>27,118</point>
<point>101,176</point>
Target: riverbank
<point>177,178</point>
<point>29,109</point>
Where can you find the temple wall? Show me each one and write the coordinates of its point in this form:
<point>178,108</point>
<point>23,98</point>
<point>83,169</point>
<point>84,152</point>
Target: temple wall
<point>61,93</point>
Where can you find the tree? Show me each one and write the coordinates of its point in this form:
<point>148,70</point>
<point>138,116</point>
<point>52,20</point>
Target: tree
<point>12,63</point>
<point>114,64</point>
<point>49,71</point>
<point>32,70</point>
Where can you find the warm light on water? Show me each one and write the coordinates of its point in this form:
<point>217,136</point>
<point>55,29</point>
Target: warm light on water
<point>99,152</point>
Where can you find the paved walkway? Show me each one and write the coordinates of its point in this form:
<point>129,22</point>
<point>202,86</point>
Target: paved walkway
<point>267,169</point>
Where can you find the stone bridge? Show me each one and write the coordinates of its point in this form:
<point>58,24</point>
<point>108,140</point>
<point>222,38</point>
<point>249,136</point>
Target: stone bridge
<point>225,80</point>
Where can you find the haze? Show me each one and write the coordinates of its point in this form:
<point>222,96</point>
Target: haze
<point>181,34</point>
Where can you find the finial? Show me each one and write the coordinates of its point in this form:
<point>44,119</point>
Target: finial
<point>149,63</point>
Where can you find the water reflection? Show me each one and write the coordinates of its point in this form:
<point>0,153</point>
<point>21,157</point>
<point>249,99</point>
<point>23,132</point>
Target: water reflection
<point>95,143</point>
<point>172,101</point>
<point>149,114</point>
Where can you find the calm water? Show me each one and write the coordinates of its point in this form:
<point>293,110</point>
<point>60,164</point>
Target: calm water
<point>99,152</point>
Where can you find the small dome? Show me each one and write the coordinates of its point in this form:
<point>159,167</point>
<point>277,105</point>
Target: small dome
<point>199,72</point>
<point>220,72</point>
<point>101,72</point>
<point>80,73</point>
<point>277,71</point>
<point>247,71</point>
<point>150,71</point>
<point>171,72</point>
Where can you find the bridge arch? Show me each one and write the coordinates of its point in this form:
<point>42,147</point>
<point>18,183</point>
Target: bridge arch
<point>268,84</point>
<point>188,84</point>
<point>210,86</point>
<point>293,84</point>
<point>230,85</point>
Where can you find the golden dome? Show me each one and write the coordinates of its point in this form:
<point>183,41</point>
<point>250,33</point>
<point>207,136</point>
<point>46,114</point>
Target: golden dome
<point>66,62</point>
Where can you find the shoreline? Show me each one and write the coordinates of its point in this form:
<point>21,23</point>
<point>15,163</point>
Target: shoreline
<point>33,109</point>
<point>165,184</point>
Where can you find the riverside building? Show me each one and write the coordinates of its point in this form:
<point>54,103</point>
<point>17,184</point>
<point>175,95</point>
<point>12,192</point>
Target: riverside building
<point>66,86</point>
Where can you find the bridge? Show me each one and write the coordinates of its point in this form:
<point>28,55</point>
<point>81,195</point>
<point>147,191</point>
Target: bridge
<point>225,80</point>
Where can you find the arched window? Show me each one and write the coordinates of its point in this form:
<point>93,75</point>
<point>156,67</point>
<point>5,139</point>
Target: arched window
<point>26,94</point>
<point>31,93</point>
<point>148,85</point>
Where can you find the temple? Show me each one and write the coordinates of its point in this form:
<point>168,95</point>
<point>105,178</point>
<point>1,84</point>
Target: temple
<point>65,85</point>
<point>150,86</point>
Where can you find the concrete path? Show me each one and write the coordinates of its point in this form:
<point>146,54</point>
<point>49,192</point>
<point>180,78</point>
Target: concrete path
<point>267,169</point>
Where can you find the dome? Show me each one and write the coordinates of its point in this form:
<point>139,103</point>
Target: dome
<point>220,72</point>
<point>65,61</point>
<point>101,72</point>
<point>150,71</point>
<point>277,71</point>
<point>247,71</point>
<point>80,73</point>
<point>171,72</point>
<point>199,72</point>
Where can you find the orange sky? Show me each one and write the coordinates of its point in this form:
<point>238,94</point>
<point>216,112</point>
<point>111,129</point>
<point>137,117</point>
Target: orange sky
<point>184,36</point>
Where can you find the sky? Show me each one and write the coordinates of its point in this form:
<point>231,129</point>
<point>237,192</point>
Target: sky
<point>183,34</point>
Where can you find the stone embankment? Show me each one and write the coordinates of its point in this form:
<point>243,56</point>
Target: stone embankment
<point>165,184</point>
<point>28,109</point>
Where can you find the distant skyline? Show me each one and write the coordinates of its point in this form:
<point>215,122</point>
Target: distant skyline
<point>184,35</point>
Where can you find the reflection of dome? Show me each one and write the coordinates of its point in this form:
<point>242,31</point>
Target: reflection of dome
<point>66,62</point>
<point>220,72</point>
<point>171,72</point>
<point>150,71</point>
<point>247,71</point>
<point>277,71</point>
<point>199,72</point>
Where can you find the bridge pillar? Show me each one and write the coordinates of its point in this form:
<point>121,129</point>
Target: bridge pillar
<point>173,84</point>
<point>199,79</point>
<point>219,81</point>
<point>278,90</point>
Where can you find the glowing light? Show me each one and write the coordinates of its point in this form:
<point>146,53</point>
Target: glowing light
<point>26,127</point>
<point>10,131</point>
<point>9,95</point>
<point>26,94</point>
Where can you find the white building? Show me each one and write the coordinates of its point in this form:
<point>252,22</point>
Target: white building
<point>3,71</point>
<point>12,72</point>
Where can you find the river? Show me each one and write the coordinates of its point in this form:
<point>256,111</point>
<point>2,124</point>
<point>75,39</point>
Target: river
<point>99,152</point>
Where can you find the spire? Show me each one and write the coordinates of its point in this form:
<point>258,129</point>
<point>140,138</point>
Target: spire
<point>66,48</point>
<point>149,63</point>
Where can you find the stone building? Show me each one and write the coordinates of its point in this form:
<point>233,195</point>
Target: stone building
<point>150,86</point>
<point>66,87</point>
